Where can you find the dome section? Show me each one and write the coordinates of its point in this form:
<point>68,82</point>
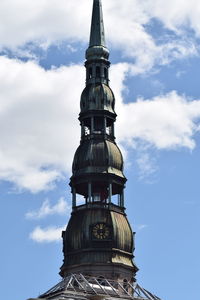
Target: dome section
<point>79,236</point>
<point>98,96</point>
<point>98,156</point>
<point>96,53</point>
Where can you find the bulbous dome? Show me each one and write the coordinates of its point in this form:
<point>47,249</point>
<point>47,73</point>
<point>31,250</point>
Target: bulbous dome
<point>98,156</point>
<point>79,236</point>
<point>97,52</point>
<point>98,96</point>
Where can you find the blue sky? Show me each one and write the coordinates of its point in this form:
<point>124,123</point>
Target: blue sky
<point>155,75</point>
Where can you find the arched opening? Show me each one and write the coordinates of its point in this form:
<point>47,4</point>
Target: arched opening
<point>98,73</point>
<point>86,127</point>
<point>98,125</point>
<point>90,73</point>
<point>125,284</point>
<point>105,73</point>
<point>110,127</point>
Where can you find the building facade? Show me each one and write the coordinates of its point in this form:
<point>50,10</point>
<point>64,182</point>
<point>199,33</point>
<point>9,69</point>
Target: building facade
<point>98,243</point>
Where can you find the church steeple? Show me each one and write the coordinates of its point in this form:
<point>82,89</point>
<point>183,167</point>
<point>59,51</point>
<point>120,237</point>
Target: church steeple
<point>98,243</point>
<point>98,240</point>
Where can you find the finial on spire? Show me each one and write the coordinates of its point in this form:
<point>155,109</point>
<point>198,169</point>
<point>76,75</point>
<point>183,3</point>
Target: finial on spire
<point>97,34</point>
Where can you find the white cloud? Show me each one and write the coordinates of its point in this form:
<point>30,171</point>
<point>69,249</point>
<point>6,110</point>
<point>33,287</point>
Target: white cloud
<point>47,235</point>
<point>168,121</point>
<point>176,15</point>
<point>60,208</point>
<point>47,22</point>
<point>180,74</point>
<point>147,165</point>
<point>141,227</point>
<point>39,128</point>
<point>135,41</point>
<point>38,122</point>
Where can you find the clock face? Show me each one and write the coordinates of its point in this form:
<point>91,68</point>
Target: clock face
<point>101,231</point>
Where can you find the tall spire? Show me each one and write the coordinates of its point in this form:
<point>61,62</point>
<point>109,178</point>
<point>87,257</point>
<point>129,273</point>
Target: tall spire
<point>97,34</point>
<point>97,46</point>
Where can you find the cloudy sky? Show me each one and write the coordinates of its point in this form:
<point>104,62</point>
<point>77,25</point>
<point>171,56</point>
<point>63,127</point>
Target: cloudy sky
<point>155,75</point>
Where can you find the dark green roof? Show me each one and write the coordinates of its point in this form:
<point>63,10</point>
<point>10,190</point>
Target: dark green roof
<point>98,96</point>
<point>78,238</point>
<point>98,157</point>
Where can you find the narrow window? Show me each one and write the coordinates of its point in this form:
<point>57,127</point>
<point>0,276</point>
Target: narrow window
<point>125,284</point>
<point>105,73</point>
<point>97,71</point>
<point>90,73</point>
<point>98,125</point>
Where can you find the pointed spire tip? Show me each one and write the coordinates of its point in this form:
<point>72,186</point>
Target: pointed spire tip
<point>97,33</point>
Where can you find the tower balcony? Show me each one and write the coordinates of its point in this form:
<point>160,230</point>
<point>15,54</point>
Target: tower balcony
<point>100,205</point>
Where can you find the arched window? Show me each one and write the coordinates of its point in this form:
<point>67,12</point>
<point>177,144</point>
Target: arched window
<point>98,72</point>
<point>125,284</point>
<point>105,73</point>
<point>90,73</point>
<point>98,125</point>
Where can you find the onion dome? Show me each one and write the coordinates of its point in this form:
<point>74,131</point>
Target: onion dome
<point>97,96</point>
<point>96,53</point>
<point>98,156</point>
